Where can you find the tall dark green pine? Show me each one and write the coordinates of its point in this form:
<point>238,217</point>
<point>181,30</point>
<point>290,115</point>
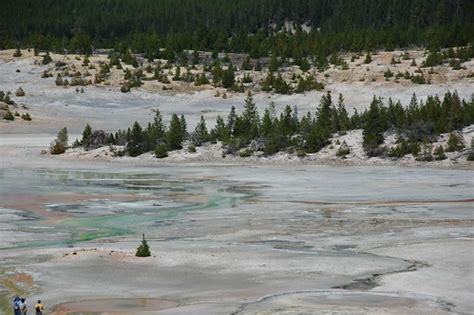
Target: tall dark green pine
<point>250,119</point>
<point>231,120</point>
<point>221,130</point>
<point>184,126</point>
<point>200,132</point>
<point>86,135</point>
<point>373,129</point>
<point>228,77</point>
<point>325,115</point>
<point>136,142</point>
<point>267,123</point>
<point>343,117</point>
<point>174,135</point>
<point>156,130</point>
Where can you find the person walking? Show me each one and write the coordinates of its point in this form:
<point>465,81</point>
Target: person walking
<point>39,307</point>
<point>24,308</point>
<point>17,306</point>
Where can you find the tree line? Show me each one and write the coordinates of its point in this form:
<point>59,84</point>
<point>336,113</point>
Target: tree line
<point>245,26</point>
<point>417,125</point>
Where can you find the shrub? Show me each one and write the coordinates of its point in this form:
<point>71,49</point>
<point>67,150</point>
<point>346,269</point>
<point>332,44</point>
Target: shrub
<point>388,73</point>
<point>439,153</point>
<point>455,142</point>
<point>343,150</point>
<point>418,79</point>
<point>63,136</point>
<point>143,249</point>
<point>245,153</point>
<point>271,147</point>
<point>125,88</point>
<point>46,74</point>
<point>20,92</point>
<point>17,53</point>
<point>192,148</point>
<point>9,116</point>
<point>404,148</point>
<point>394,61</point>
<point>26,117</point>
<point>59,80</point>
<point>470,157</point>
<point>57,147</point>
<point>161,151</point>
<point>300,153</point>
<point>432,60</point>
<point>425,153</point>
<point>247,78</point>
<point>368,58</point>
<point>455,64</point>
<point>201,80</point>
<point>46,59</point>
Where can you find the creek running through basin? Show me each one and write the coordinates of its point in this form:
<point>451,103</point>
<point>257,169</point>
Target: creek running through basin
<point>230,239</point>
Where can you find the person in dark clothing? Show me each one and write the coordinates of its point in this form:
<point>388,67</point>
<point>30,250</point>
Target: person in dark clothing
<point>17,306</point>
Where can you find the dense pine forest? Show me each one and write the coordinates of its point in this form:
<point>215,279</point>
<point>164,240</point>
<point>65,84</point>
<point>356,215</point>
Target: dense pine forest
<point>319,27</point>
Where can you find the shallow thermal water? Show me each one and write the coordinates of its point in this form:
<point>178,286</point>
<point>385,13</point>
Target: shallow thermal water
<point>230,238</point>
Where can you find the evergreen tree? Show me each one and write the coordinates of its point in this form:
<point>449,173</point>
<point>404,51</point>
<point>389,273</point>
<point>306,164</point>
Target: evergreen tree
<point>373,129</point>
<point>439,153</point>
<point>86,135</point>
<point>470,157</point>
<point>274,63</point>
<point>221,130</point>
<point>250,119</point>
<point>316,139</point>
<point>267,123</point>
<point>174,135</point>
<point>143,250</point>
<point>177,74</point>
<point>63,136</point>
<point>184,126</point>
<point>200,133</point>
<point>136,142</point>
<point>368,58</point>
<point>455,142</point>
<point>161,151</point>
<point>244,28</point>
<point>156,130</point>
<point>195,58</point>
<point>344,122</point>
<point>231,120</point>
<point>246,65</point>
<point>324,117</point>
<point>228,77</point>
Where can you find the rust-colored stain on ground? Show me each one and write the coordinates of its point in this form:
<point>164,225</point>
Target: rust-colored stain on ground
<point>36,203</point>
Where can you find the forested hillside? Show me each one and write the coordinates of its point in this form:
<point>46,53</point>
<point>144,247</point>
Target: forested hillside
<point>250,26</point>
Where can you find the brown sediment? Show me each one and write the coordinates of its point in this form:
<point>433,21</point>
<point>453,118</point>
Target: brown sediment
<point>16,283</point>
<point>24,278</point>
<point>114,306</point>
